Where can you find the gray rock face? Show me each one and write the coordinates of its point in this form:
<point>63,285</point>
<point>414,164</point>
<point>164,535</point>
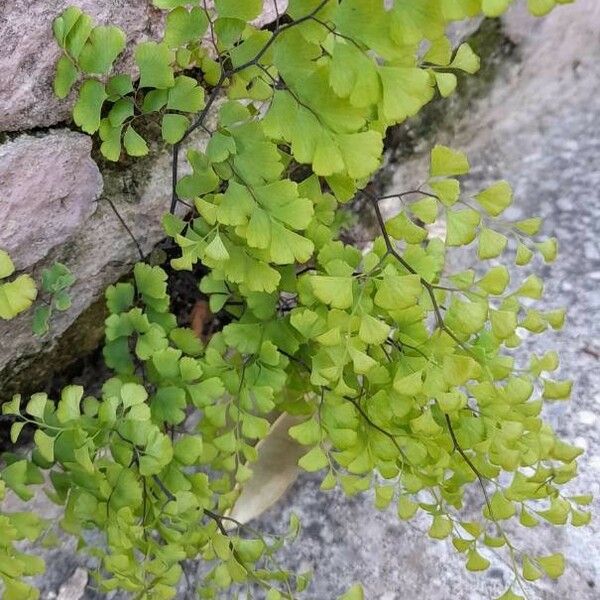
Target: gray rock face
<point>49,188</point>
<point>50,208</point>
<point>98,252</point>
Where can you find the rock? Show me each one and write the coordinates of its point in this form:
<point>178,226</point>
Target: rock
<point>30,54</point>
<point>49,187</point>
<point>98,252</point>
<point>537,127</point>
<point>271,9</point>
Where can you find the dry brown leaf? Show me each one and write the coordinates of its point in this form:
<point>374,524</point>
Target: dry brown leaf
<point>200,317</point>
<point>272,474</point>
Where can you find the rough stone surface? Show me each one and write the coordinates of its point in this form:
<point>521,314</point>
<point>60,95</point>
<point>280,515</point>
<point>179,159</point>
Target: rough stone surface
<point>50,183</point>
<point>538,129</point>
<point>29,54</point>
<point>98,253</point>
<point>49,187</point>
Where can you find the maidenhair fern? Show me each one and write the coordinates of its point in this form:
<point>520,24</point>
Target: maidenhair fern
<point>402,372</point>
<point>16,295</point>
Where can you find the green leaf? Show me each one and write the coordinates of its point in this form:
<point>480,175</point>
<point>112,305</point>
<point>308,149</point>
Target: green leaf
<point>15,477</point>
<point>402,228</point>
<point>7,266</point>
<point>63,24</point>
<point>529,226</point>
<point>356,592</point>
<point>315,460</point>
<point>407,508</point>
<point>121,111</point>
<point>111,140</point>
<point>57,278</point>
<point>503,322</point>
<point>69,404</point>
<point>185,26</point>
<point>441,527</point>
<point>425,209</point>
<point>16,296</point>
<point>553,565</point>
<point>15,431</point>
<point>491,244</point>
<point>233,9</point>
<point>459,369</point>
<point>119,297</point>
<point>88,107</point>
<point>188,449</point>
<point>72,30</point>
<point>445,162</point>
<point>539,8</point>
<point>174,127</point>
<point>133,394</point>
<point>154,61</point>
<point>446,83</point>
<point>495,280</point>
<point>557,390</point>
<point>466,60</point>
<point>548,249</point>
<point>532,287</point>
<point>13,407</point>
<point>307,433</point>
<point>62,300</point>
<point>501,508</point>
<point>186,95</point>
<point>476,562</point>
<point>150,281</point>
<point>425,425</point>
<point>530,571</point>
<point>372,330</point>
<point>66,76</point>
<point>398,291</point>
<point>119,85</point>
<point>254,428</point>
<point>447,190</point>
<point>134,143</point>
<point>494,8</point>
<point>524,255</point>
<point>45,444</point>
<point>334,291</point>
<point>101,49</point>
<point>216,250</point>
<point>37,405</point>
<point>496,199</point>
<point>462,227</point>
<point>169,4</point>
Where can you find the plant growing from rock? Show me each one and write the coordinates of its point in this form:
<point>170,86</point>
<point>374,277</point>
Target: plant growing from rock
<point>401,374</point>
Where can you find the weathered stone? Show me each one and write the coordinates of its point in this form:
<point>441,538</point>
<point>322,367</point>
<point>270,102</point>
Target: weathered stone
<point>49,187</point>
<point>29,54</point>
<point>98,252</point>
